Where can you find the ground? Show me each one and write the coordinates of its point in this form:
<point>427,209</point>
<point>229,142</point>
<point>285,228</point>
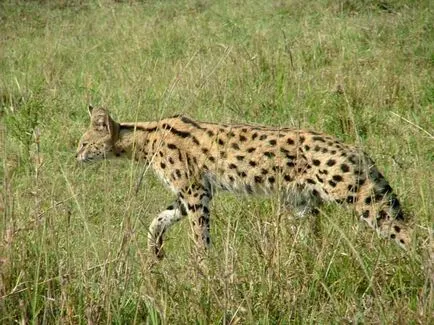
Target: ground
<point>73,245</point>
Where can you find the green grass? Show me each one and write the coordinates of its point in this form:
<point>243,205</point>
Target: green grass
<point>73,240</point>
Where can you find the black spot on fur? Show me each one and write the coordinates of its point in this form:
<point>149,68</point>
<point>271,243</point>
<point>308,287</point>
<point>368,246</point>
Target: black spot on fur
<point>310,181</point>
<point>235,146</point>
<point>277,169</point>
<point>345,168</point>
<point>272,142</point>
<point>240,158</point>
<point>378,197</point>
<point>306,147</point>
<point>252,163</point>
<point>172,146</point>
<point>290,141</point>
<point>318,138</point>
<point>301,170</point>
<point>269,154</point>
<point>287,178</point>
<point>221,142</point>
<point>382,215</point>
<point>353,159</point>
<point>365,214</point>
<point>171,160</point>
<point>223,154</point>
<point>258,179</point>
<point>242,174</point>
<point>317,148</point>
<point>163,165</point>
<point>183,210</point>
<point>383,190</point>
<point>301,139</point>
<point>205,150</point>
<point>190,121</point>
<point>137,127</point>
<point>316,162</point>
<point>350,199</point>
<point>331,162</point>
<point>176,132</point>
<point>394,203</point>
<point>264,171</point>
<point>210,133</point>
<point>400,215</point>
<point>332,184</point>
<point>360,181</point>
<point>263,137</point>
<point>250,150</point>
<point>243,138</point>
<point>337,178</point>
<point>212,159</point>
<point>254,136</point>
<point>232,166</point>
<point>194,207</point>
<point>271,179</point>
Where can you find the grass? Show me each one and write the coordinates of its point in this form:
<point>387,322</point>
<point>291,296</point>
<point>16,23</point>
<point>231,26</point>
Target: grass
<point>73,246</point>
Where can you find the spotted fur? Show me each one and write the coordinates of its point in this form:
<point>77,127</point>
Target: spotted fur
<point>195,158</point>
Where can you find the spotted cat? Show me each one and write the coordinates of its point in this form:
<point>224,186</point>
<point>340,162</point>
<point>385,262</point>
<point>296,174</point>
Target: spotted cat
<point>195,158</point>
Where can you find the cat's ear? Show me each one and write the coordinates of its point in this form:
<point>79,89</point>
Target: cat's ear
<point>90,109</point>
<point>101,121</point>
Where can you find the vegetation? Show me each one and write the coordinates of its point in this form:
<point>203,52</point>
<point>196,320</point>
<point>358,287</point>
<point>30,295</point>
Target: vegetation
<point>73,239</point>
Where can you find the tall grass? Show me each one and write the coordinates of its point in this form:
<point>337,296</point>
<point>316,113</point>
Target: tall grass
<point>73,240</point>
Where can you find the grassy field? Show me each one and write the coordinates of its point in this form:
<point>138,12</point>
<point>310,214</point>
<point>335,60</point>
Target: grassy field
<point>73,239</point>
